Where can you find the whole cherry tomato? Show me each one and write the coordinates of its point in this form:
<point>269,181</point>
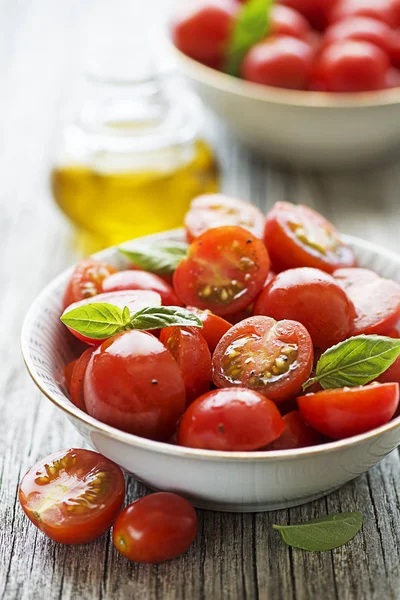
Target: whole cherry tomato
<point>287,21</point>
<point>77,377</point>
<point>68,369</point>
<point>232,419</point>
<point>313,298</point>
<point>395,55</point>
<point>395,6</point>
<point>381,10</point>
<point>297,236</point>
<point>315,11</point>
<point>214,327</point>
<point>140,280</point>
<point>214,210</point>
<point>297,434</point>
<point>190,350</point>
<point>345,412</point>
<point>155,528</point>
<point>86,280</point>
<point>393,78</point>
<point>363,29</point>
<point>279,61</point>
<point>225,269</point>
<point>272,358</point>
<point>73,496</point>
<point>133,383</point>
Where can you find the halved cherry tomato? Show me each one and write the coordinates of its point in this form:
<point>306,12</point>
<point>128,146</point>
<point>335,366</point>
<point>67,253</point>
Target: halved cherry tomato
<point>297,236</point>
<point>392,374</point>
<point>287,21</point>
<point>230,419</point>
<point>73,496</point>
<point>133,383</point>
<point>381,10</point>
<point>272,358</point>
<point>214,327</point>
<point>362,29</point>
<point>214,210</point>
<point>77,377</point>
<point>190,350</point>
<point>134,300</point>
<point>68,369</point>
<point>394,333</point>
<point>155,528</point>
<point>315,11</point>
<point>225,269</point>
<point>86,280</point>
<point>297,434</point>
<point>354,276</point>
<point>349,411</point>
<point>140,280</point>
<point>313,298</point>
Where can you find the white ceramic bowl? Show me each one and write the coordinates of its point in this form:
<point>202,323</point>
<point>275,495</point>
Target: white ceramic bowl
<point>231,481</point>
<point>310,129</point>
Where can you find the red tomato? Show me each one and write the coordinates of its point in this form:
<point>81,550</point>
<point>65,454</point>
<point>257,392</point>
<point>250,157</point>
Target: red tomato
<point>286,21</point>
<point>393,78</point>
<point>214,327</point>
<point>380,10</point>
<point>395,6</point>
<point>297,434</point>
<point>230,420</point>
<point>133,383</point>
<point>272,358</point>
<point>363,29</point>
<point>214,210</point>
<point>349,411</point>
<point>313,298</point>
<point>201,29</point>
<point>155,528</point>
<point>68,369</point>
<point>392,373</point>
<point>279,61</point>
<point>315,11</point>
<point>77,377</point>
<point>86,280</point>
<point>141,280</point>
<point>297,236</point>
<point>354,276</point>
<point>73,496</point>
<point>134,300</point>
<point>394,333</point>
<point>395,55</point>
<point>191,352</point>
<point>225,269</point>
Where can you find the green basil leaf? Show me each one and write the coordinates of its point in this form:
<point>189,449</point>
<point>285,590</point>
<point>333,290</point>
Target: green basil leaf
<point>324,533</point>
<point>356,361</point>
<point>157,317</point>
<point>161,258</point>
<point>251,26</point>
<point>98,320</point>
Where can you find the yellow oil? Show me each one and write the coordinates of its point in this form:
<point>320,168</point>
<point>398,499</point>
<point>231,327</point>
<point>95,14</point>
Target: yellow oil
<point>109,207</point>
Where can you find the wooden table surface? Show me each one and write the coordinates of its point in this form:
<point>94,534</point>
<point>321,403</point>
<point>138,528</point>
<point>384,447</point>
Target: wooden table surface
<point>235,556</point>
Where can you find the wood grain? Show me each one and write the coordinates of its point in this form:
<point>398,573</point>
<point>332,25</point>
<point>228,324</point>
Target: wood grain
<point>235,556</point>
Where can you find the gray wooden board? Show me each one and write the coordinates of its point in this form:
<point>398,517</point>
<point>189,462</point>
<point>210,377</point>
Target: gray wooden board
<point>235,556</point>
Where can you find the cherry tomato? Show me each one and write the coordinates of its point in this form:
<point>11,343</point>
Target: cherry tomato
<point>363,29</point>
<point>354,276</point>
<point>297,434</point>
<point>86,280</point>
<point>313,298</point>
<point>68,369</point>
<point>395,9</point>
<point>279,61</point>
<point>73,496</point>
<point>315,11</point>
<point>155,528</point>
<point>77,377</point>
<point>393,78</point>
<point>351,66</point>
<point>201,30</point>
<point>287,21</point>
<point>133,383</point>
<point>191,352</point>
<point>134,300</point>
<point>272,358</point>
<point>395,55</point>
<point>394,333</point>
<point>381,10</point>
<point>392,373</point>
<point>231,419</point>
<point>225,269</point>
<point>214,210</point>
<point>297,236</point>
<point>141,280</point>
<point>214,327</point>
<point>349,411</point>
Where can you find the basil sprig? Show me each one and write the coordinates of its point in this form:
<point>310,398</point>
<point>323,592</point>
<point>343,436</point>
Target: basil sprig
<point>161,258</point>
<point>324,533</point>
<point>356,361</point>
<point>100,320</point>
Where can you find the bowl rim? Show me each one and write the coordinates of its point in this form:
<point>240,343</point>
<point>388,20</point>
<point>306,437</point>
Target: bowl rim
<point>181,451</point>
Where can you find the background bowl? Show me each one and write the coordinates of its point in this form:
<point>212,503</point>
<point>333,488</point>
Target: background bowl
<point>310,129</point>
<point>234,481</point>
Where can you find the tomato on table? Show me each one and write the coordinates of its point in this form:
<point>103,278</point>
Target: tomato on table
<point>312,297</point>
<point>287,21</point>
<point>345,412</point>
<point>270,357</point>
<point>155,528</point>
<point>68,369</point>
<point>73,496</point>
<point>86,280</point>
<point>297,236</point>
<point>381,10</point>
<point>232,419</point>
<point>214,327</point>
<point>140,280</point>
<point>315,11</point>
<point>225,269</point>
<point>190,350</point>
<point>77,377</point>
<point>215,210</point>
<point>297,434</point>
<point>133,383</point>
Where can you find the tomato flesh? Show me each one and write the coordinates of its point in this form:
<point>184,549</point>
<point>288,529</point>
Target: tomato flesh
<point>73,496</point>
<point>297,434</point>
<point>214,327</point>
<point>77,377</point>
<point>272,358</point>
<point>230,419</point>
<point>86,280</point>
<point>155,528</point>
<point>140,280</point>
